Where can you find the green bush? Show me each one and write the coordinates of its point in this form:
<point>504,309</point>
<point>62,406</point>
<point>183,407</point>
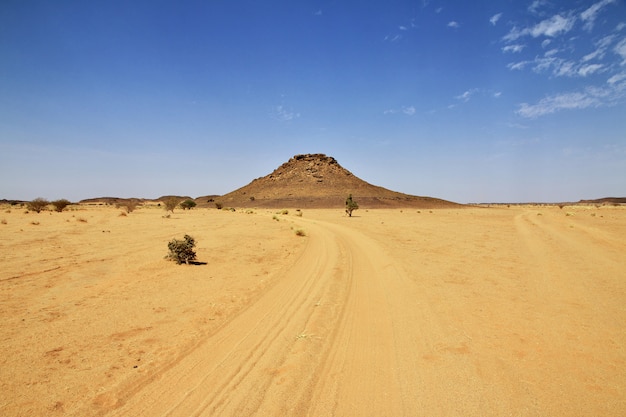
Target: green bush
<point>351,205</point>
<point>188,204</point>
<point>182,250</point>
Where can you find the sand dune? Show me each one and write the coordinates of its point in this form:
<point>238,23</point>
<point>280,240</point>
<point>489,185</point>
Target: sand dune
<point>452,312</point>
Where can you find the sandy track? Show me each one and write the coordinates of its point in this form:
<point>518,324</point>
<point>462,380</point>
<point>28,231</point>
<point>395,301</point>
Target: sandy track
<point>321,342</point>
<point>469,312</point>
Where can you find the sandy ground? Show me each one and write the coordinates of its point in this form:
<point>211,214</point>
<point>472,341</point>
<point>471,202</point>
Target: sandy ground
<point>515,311</point>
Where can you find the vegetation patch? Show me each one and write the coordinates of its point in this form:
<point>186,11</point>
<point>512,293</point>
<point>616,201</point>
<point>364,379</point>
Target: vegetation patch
<point>182,250</point>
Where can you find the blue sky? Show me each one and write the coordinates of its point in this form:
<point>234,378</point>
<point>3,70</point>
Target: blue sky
<point>467,101</point>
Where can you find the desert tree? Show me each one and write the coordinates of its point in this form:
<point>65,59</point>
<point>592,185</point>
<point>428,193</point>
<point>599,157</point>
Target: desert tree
<point>188,204</point>
<point>131,205</point>
<point>182,250</point>
<point>38,204</point>
<point>171,203</point>
<point>59,205</point>
<point>351,205</point>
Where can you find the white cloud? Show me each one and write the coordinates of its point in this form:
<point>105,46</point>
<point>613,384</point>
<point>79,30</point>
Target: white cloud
<point>536,5</point>
<point>590,97</point>
<point>453,24</point>
<point>517,65</point>
<point>620,26</point>
<point>393,38</point>
<point>545,43</point>
<point>589,69</point>
<point>589,16</point>
<point>551,27</point>
<point>620,49</point>
<point>564,68</point>
<point>555,103</point>
<point>602,46</point>
<point>617,78</point>
<point>494,19</point>
<point>551,52</point>
<point>318,13</point>
<point>402,27</point>
<point>409,111</point>
<point>467,95</point>
<point>513,48</point>
<point>497,94</point>
<point>282,114</point>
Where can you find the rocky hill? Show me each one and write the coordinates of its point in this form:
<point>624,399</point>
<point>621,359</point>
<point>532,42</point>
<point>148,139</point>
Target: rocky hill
<point>318,181</point>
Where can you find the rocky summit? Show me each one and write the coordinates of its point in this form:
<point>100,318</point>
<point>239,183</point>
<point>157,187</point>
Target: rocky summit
<point>318,181</point>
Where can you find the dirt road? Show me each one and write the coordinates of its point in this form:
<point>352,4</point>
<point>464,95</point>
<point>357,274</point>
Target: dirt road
<point>470,312</point>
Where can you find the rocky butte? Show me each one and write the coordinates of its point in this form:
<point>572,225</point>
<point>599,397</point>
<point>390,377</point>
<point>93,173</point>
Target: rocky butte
<point>318,181</point>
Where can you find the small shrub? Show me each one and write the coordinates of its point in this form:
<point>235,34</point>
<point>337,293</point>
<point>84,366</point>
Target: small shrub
<point>182,250</point>
<point>351,205</point>
<point>300,232</point>
<point>170,204</point>
<point>131,205</point>
<point>82,220</point>
<point>123,214</point>
<point>188,204</point>
<point>284,212</point>
<point>298,213</point>
<point>59,205</point>
<point>218,205</point>
<point>34,223</point>
<point>275,218</point>
<point>3,221</point>
<point>38,204</point>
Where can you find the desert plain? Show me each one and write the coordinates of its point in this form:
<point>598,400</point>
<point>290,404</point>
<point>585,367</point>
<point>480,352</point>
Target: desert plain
<point>499,311</point>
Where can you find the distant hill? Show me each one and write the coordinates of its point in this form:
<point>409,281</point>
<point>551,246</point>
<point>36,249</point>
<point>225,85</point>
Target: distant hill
<point>605,200</point>
<point>318,181</point>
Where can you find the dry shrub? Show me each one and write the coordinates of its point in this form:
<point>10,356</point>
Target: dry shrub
<point>182,250</point>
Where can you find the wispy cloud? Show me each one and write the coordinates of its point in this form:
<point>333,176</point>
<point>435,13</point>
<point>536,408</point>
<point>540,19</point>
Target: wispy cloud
<point>590,15</point>
<point>467,95</point>
<point>318,13</point>
<point>536,5</point>
<point>590,97</point>
<point>555,103</point>
<point>283,114</point>
<point>406,110</point>
<point>617,78</point>
<point>494,19</point>
<point>513,48</point>
<point>393,38</point>
<point>620,49</point>
<point>453,24</point>
<point>600,65</point>
<point>552,27</point>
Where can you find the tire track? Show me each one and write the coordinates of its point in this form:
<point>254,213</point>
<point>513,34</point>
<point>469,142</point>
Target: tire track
<point>263,361</point>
